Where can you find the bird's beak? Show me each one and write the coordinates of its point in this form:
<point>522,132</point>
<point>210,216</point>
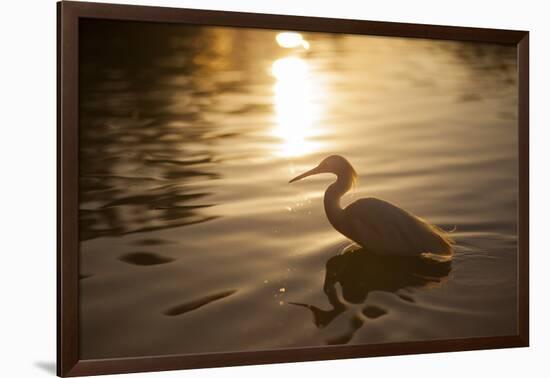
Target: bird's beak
<point>311,172</point>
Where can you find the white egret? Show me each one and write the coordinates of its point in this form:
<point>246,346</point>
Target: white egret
<point>376,225</point>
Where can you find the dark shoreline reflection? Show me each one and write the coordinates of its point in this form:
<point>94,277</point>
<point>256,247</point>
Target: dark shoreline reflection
<point>146,144</point>
<point>359,273</point>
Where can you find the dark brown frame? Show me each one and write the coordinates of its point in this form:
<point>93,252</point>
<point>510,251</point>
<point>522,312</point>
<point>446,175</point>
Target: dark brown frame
<point>68,15</point>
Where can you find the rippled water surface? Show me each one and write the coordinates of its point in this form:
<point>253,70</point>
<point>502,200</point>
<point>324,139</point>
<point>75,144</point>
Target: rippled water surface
<point>193,241</point>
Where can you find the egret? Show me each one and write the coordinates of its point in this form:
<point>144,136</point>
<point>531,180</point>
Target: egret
<point>376,225</point>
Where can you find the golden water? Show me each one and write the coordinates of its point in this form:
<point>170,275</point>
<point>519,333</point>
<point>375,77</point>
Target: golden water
<point>192,240</point>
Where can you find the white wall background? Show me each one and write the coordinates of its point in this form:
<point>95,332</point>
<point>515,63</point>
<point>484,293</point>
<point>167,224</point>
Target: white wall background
<point>27,186</point>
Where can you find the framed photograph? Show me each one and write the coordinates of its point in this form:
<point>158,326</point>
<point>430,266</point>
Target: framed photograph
<point>238,188</point>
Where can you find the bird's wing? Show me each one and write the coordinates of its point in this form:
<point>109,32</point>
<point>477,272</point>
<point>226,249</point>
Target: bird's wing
<point>385,228</point>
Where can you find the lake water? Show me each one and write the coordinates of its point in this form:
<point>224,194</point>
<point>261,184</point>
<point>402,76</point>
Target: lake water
<point>193,241</point>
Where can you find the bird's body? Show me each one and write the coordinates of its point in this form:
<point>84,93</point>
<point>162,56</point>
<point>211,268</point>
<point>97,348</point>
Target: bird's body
<point>377,225</point>
<point>384,228</point>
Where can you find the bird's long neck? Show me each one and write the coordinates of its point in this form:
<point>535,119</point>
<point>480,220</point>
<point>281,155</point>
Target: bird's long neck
<point>332,198</point>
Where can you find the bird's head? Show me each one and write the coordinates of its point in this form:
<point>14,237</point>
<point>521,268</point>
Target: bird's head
<point>333,164</point>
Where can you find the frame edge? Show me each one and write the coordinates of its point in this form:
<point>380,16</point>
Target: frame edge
<point>67,187</point>
<point>523,180</point>
<point>199,361</point>
<point>291,22</point>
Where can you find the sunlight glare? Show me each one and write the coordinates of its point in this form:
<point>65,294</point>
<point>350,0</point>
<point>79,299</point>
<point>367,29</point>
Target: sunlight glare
<point>295,109</point>
<point>290,40</point>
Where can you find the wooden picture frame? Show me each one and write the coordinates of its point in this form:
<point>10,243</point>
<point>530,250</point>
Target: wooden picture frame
<point>69,13</point>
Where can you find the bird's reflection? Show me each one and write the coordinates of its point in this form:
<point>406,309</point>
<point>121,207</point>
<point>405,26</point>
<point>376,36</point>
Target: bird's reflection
<point>359,273</point>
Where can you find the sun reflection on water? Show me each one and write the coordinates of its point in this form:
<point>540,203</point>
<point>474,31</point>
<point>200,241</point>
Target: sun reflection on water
<point>297,108</point>
<point>291,39</point>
